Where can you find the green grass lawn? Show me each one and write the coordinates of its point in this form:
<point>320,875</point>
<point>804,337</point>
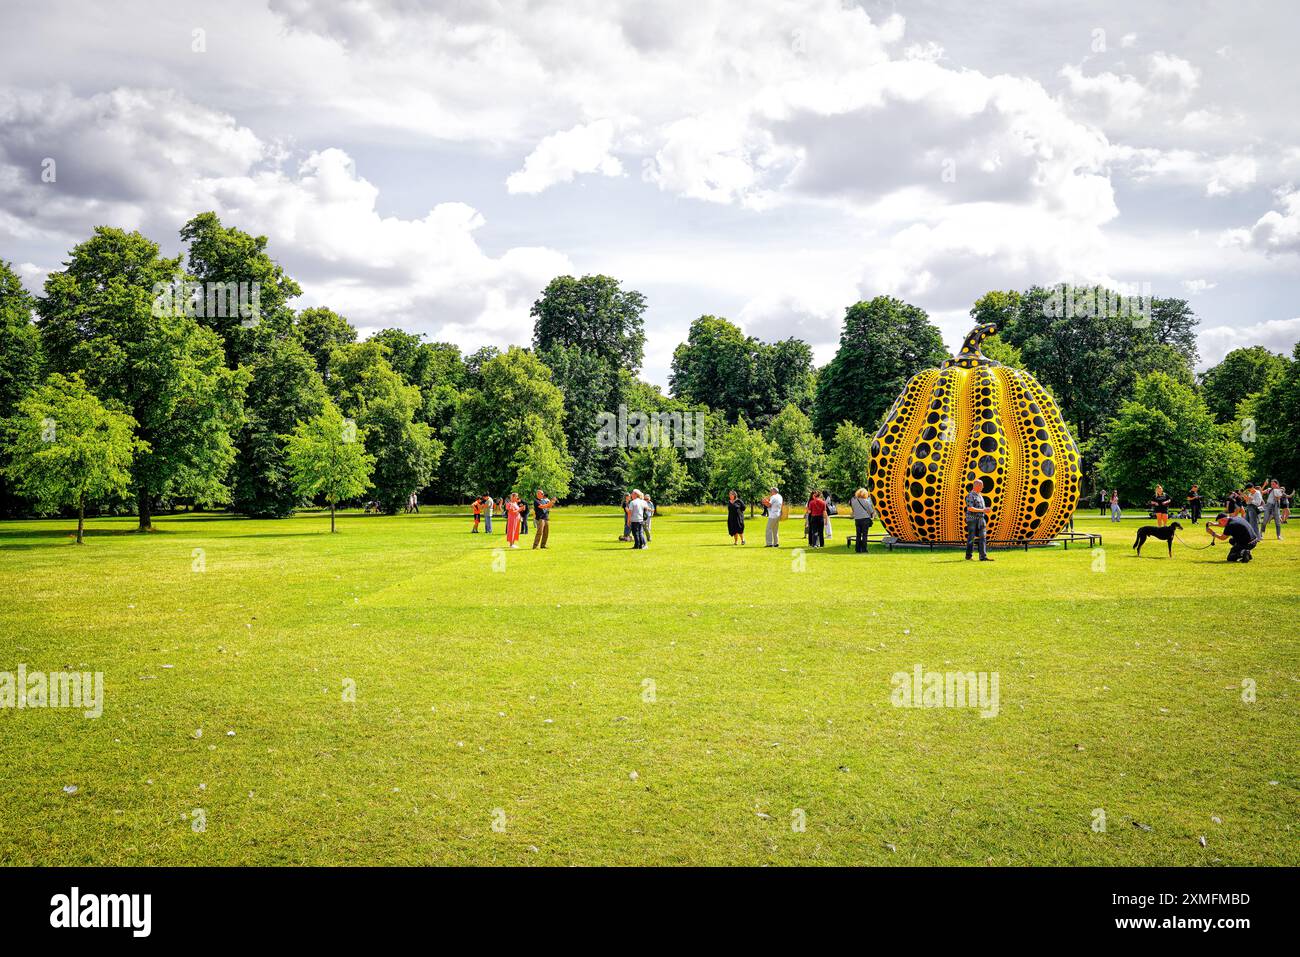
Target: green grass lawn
<point>680,705</point>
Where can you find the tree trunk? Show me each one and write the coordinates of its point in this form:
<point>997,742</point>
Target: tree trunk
<point>144,506</point>
<point>332,528</point>
<point>81,519</point>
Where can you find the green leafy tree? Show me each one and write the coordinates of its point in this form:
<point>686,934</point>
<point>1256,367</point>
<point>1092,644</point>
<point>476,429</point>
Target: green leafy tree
<point>739,375</point>
<point>849,461</point>
<point>67,450</point>
<point>327,458</point>
<point>284,389</point>
<point>540,463</point>
<point>591,333</point>
<point>1241,374</point>
<point>746,462</point>
<point>322,331</point>
<point>1165,434</point>
<point>1088,346</point>
<point>366,388</point>
<point>493,421</point>
<point>103,316</point>
<point>801,450</point>
<point>884,343</point>
<point>20,359</point>
<point>224,260</point>
<point>658,471</point>
<point>1272,423</point>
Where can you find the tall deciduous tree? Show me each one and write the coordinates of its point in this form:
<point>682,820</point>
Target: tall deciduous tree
<point>1242,373</point>
<point>1274,424</point>
<point>658,471</point>
<point>720,366</point>
<point>848,463</point>
<point>101,316</point>
<point>327,457</point>
<point>883,344</point>
<point>67,450</point>
<point>224,260</point>
<point>746,462</point>
<point>322,331</point>
<point>285,388</point>
<point>591,333</point>
<point>539,463</point>
<point>1165,434</point>
<point>514,399</point>
<point>365,387</point>
<point>801,450</point>
<point>20,358</point>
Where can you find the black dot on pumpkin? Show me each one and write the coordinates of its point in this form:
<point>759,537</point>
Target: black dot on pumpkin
<point>1048,467</point>
<point>987,463</point>
<point>989,444</point>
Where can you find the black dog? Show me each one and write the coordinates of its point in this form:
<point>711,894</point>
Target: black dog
<point>1165,534</point>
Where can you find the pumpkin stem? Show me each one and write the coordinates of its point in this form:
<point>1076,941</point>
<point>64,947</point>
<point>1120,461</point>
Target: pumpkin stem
<point>970,349</point>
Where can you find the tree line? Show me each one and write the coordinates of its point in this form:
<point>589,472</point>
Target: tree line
<point>127,385</point>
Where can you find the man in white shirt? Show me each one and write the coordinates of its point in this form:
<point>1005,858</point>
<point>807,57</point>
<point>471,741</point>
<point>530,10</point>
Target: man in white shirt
<point>488,505</point>
<point>636,509</point>
<point>774,505</point>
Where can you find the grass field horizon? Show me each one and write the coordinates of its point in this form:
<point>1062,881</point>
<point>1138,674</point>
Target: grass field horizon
<point>683,705</point>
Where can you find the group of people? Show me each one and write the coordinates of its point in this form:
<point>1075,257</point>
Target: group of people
<point>816,522</point>
<point>638,510</point>
<point>515,510</point>
<point>1268,501</point>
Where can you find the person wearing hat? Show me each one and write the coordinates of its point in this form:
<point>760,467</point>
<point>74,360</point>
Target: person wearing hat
<point>1238,531</point>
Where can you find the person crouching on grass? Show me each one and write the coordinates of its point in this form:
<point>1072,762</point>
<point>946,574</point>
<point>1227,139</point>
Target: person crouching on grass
<point>1238,531</point>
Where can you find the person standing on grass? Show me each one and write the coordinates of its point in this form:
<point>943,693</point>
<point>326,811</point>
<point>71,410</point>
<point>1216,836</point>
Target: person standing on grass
<point>1273,506</point>
<point>1239,532</point>
<point>489,506</point>
<point>1160,506</point>
<point>1194,502</point>
<point>1115,514</point>
<point>814,517</point>
<point>478,513</point>
<point>649,515</point>
<point>542,515</point>
<point>830,510</point>
<point>1101,500</point>
<point>774,503</point>
<point>735,518</point>
<point>523,515</point>
<point>863,516</point>
<point>1254,506</point>
<point>977,517</point>
<point>511,508</point>
<point>636,510</point>
<point>627,518</point>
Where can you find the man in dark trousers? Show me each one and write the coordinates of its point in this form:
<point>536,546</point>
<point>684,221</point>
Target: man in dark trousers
<point>1239,532</point>
<point>1194,503</point>
<point>977,517</point>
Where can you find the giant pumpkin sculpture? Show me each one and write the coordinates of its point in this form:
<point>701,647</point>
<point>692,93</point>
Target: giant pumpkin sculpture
<point>974,418</point>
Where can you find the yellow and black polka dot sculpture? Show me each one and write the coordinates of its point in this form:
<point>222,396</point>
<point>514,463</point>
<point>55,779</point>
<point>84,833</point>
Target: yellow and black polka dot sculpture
<point>974,418</point>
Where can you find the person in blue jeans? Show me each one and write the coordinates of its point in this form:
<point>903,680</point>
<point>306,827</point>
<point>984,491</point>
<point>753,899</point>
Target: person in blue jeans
<point>977,516</point>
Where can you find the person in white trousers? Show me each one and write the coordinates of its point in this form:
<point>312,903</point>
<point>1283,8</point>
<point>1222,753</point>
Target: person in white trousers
<point>774,505</point>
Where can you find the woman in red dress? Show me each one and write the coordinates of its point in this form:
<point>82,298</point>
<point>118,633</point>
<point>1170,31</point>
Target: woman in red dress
<point>512,519</point>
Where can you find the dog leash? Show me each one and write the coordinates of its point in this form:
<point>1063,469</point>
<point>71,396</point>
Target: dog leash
<point>1195,548</point>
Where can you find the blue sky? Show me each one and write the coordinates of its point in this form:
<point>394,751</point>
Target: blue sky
<point>432,165</point>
